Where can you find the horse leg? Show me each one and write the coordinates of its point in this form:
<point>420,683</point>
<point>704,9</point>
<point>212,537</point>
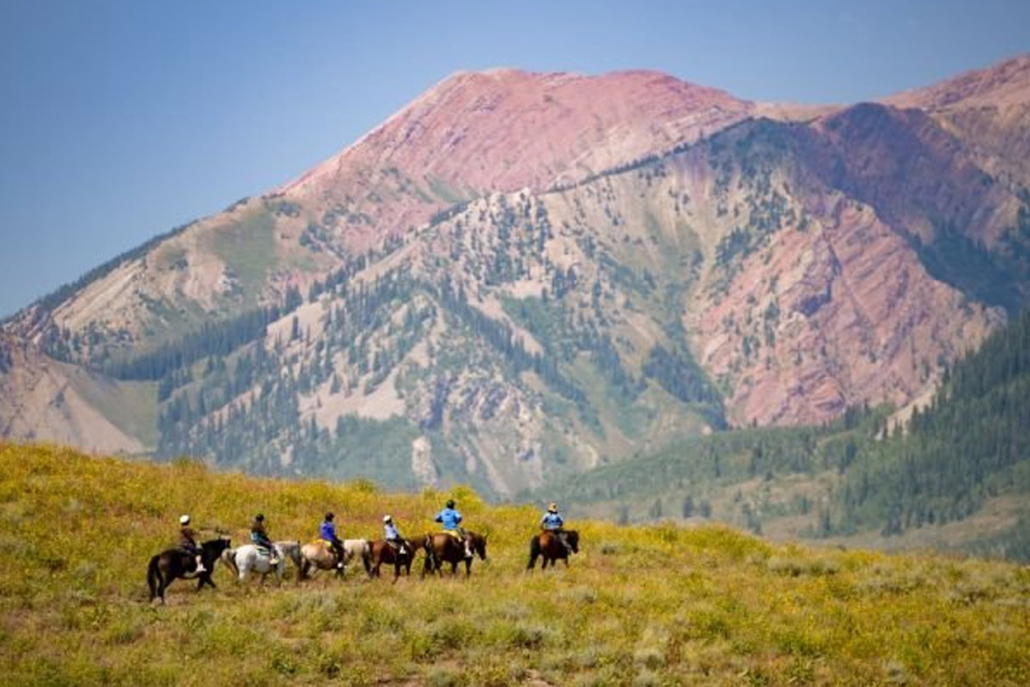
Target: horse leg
<point>160,587</point>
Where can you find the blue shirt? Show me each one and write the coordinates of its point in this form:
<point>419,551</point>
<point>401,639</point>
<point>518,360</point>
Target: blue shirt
<point>552,521</point>
<point>391,531</point>
<point>328,531</point>
<point>450,518</point>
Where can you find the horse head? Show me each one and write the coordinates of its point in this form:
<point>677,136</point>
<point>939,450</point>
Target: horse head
<point>572,536</point>
<point>215,547</point>
<point>478,544</point>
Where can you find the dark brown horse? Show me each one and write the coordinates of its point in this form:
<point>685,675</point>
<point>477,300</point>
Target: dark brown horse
<point>384,552</point>
<point>442,548</point>
<point>173,564</point>
<point>546,545</point>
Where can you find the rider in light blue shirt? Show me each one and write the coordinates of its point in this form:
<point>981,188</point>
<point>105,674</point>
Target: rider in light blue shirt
<point>450,518</point>
<point>553,522</point>
<point>392,534</point>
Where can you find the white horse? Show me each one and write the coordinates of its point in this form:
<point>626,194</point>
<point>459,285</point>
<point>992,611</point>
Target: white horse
<point>291,550</point>
<point>249,558</point>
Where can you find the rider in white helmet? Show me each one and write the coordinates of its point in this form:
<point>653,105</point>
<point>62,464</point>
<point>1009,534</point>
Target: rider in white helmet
<point>392,535</point>
<point>188,543</point>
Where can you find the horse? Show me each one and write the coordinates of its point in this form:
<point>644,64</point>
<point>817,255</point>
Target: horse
<point>251,558</point>
<point>547,546</point>
<point>173,564</point>
<point>318,555</point>
<point>291,550</point>
<point>442,548</point>
<point>384,552</point>
<point>358,548</point>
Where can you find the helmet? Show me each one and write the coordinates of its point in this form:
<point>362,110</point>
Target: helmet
<point>450,503</point>
<point>387,518</point>
<point>553,508</point>
<point>184,520</point>
<point>259,517</point>
<point>328,516</point>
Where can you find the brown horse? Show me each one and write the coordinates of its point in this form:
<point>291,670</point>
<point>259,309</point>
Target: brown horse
<point>547,546</point>
<point>174,564</point>
<point>442,548</point>
<point>384,552</point>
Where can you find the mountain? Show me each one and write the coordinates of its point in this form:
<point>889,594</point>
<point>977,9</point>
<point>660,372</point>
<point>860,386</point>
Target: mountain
<point>523,276</point>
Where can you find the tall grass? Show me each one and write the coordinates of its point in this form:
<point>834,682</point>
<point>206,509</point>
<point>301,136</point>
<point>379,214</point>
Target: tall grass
<point>639,606</point>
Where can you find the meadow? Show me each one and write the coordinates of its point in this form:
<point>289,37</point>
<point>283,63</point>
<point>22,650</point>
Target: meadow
<point>657,605</point>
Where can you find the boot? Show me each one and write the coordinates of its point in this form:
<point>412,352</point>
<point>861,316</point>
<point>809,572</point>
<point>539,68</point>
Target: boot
<point>200,565</point>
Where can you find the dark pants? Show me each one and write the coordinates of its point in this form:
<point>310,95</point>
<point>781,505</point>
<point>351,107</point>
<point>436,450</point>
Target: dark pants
<point>562,539</point>
<point>189,558</point>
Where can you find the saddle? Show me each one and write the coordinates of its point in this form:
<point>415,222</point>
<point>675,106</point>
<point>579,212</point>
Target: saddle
<point>453,534</point>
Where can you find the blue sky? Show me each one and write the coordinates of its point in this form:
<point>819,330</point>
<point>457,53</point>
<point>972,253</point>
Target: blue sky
<point>123,119</point>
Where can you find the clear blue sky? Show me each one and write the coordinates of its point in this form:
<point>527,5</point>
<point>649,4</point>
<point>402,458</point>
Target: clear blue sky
<point>123,119</point>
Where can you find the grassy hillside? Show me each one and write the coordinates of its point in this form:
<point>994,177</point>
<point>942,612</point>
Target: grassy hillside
<point>639,606</point>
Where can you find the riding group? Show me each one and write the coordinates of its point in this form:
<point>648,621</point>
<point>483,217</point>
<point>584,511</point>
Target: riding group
<point>453,544</point>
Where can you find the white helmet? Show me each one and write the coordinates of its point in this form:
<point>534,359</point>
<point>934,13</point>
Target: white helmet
<point>387,518</point>
<point>184,520</point>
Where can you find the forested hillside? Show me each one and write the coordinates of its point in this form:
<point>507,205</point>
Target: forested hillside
<point>963,457</point>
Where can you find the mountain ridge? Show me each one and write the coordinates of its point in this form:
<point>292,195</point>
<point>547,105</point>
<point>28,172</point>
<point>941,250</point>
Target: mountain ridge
<point>530,280</point>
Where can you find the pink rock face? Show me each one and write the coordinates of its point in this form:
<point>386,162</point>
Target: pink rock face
<point>505,130</point>
<point>859,320</point>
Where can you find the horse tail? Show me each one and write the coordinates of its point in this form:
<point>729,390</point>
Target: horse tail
<point>153,577</point>
<point>366,557</point>
<point>229,556</point>
<point>534,551</point>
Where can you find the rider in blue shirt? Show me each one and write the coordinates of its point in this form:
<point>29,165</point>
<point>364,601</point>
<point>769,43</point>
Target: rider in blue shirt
<point>553,522</point>
<point>450,518</point>
<point>328,534</point>
<point>393,535</point>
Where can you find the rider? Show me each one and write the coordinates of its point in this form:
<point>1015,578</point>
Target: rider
<point>393,535</point>
<point>554,523</point>
<point>328,534</point>
<point>259,538</point>
<point>450,518</point>
<point>188,544</point>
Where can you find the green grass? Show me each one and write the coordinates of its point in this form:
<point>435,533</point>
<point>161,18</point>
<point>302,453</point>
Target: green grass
<point>247,246</point>
<point>644,605</point>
